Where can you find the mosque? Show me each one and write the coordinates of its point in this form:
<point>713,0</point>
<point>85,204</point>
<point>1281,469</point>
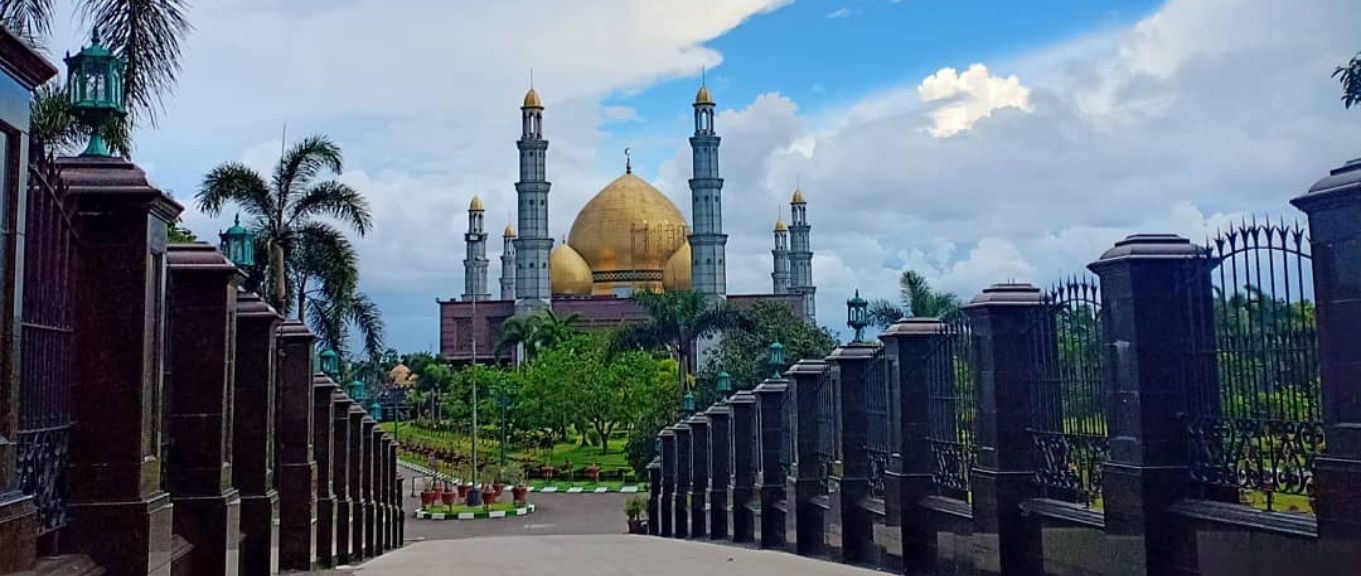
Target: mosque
<point>629,237</point>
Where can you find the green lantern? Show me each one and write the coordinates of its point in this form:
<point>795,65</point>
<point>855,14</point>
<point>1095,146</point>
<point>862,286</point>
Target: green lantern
<point>688,404</point>
<point>94,80</point>
<point>238,244</point>
<point>330,362</point>
<point>723,384</point>
<point>376,410</point>
<point>857,316</point>
<point>357,391</point>
<point>775,356</point>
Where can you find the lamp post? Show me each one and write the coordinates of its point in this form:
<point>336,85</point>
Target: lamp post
<point>775,357</point>
<point>857,316</point>
<point>723,384</point>
<point>238,244</point>
<point>330,362</point>
<point>95,84</point>
<point>688,404</point>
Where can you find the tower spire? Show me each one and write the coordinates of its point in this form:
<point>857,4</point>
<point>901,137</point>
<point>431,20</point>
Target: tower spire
<point>708,243</point>
<point>533,245</point>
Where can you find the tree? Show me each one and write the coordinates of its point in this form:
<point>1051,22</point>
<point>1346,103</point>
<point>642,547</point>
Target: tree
<point>535,332</point>
<point>742,352</point>
<point>917,299</point>
<point>1350,77</point>
<point>292,216</point>
<point>675,321</point>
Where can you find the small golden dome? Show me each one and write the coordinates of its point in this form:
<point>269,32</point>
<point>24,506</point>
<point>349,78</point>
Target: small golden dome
<point>798,196</point>
<point>509,233</point>
<point>676,275</point>
<point>476,204</point>
<point>568,273</point>
<point>628,226</point>
<point>702,97</point>
<point>779,225</point>
<point>532,100</point>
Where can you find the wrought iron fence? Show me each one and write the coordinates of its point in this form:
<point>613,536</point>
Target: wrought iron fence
<point>45,369</point>
<point>952,410</point>
<point>1253,410</point>
<point>827,447</point>
<point>878,422</point>
<point>1069,401</point>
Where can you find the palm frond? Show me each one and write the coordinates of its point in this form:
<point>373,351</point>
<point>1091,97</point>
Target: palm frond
<point>51,121</point>
<point>334,199</point>
<point>147,34</point>
<point>30,20</point>
<point>234,182</point>
<point>883,313</point>
<point>322,252</point>
<point>363,314</point>
<point>301,164</point>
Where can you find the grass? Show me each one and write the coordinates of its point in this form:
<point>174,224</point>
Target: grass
<point>563,452</point>
<point>457,508</point>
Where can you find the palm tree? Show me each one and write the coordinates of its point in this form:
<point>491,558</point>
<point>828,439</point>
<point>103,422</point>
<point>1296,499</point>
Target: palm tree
<point>311,270</point>
<point>1350,77</point>
<point>675,321</point>
<point>536,332</point>
<point>917,298</point>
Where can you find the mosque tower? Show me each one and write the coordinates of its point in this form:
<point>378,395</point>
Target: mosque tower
<point>508,263</point>
<point>475,263</point>
<point>532,247</point>
<point>801,255</point>
<point>780,275</point>
<point>707,241</point>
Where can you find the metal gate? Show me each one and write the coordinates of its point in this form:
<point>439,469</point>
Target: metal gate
<point>952,409</point>
<point>827,452</point>
<point>879,417</point>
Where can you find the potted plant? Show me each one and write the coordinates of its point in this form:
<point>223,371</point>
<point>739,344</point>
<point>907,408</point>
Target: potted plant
<point>593,472</point>
<point>547,472</point>
<point>430,495</point>
<point>635,508</point>
<point>489,497</point>
<point>519,491</point>
<point>446,497</point>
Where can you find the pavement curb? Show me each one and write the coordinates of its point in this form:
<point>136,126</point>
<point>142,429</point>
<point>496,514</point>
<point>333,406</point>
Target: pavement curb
<point>522,511</point>
<point>630,489</point>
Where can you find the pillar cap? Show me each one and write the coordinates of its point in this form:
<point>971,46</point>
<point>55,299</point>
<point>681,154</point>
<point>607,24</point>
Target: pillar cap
<point>743,397</point>
<point>198,257</point>
<point>681,427</point>
<point>1152,247</point>
<point>667,432</point>
<point>854,351</point>
<point>1008,294</point>
<point>341,400</point>
<point>772,386</point>
<point>100,180</point>
<point>914,326</point>
<point>699,418</point>
<point>294,329</point>
<point>355,410</point>
<point>807,366</point>
<point>251,305</point>
<point>719,408</point>
<point>367,419</point>
<point>655,464</point>
<point>321,380</point>
<point>1340,182</point>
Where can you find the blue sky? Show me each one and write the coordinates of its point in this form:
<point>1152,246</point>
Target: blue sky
<point>973,141</point>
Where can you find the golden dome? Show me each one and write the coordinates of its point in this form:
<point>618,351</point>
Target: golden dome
<point>798,196</point>
<point>532,100</point>
<point>627,232</point>
<point>676,275</point>
<point>779,225</point>
<point>702,97</point>
<point>509,233</point>
<point>476,204</point>
<point>568,272</point>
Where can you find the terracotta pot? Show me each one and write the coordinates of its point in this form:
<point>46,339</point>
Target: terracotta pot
<point>429,497</point>
<point>519,493</point>
<point>447,498</point>
<point>463,490</point>
<point>490,496</point>
<point>547,472</point>
<point>593,473</point>
<point>498,488</point>
<point>637,527</point>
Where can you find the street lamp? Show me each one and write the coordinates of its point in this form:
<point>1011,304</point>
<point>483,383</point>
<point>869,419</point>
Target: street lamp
<point>688,404</point>
<point>95,84</point>
<point>723,384</point>
<point>775,355</point>
<point>330,362</point>
<point>857,316</point>
<point>238,244</point>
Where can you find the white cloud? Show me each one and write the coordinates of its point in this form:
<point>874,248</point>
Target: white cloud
<point>839,13</point>
<point>969,96</point>
<point>617,114</point>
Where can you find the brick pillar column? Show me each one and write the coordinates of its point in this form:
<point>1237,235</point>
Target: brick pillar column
<point>720,468</point>
<point>340,475</point>
<point>367,472</point>
<point>770,397</point>
<point>810,536</point>
<point>654,496</point>
<point>296,469</point>
<point>384,536</point>
<point>1334,207</point>
<point>743,406</point>
<point>400,530</point>
<point>699,475</point>
<point>909,341</point>
<point>665,508</point>
<point>1002,318</point>
<point>1146,287</point>
<point>850,362</point>
<point>116,385</point>
<point>253,432</point>
<point>323,449</point>
<point>357,551</point>
<point>394,498</point>
<point>683,464</point>
<point>198,390</point>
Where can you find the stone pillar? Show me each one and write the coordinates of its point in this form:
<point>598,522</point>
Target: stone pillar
<point>1146,291</point>
<point>367,472</point>
<point>683,464</point>
<point>743,406</point>
<point>198,390</point>
<point>340,475</point>
<point>811,539</point>
<point>909,342</point>
<point>720,468</point>
<point>699,474</point>
<point>357,510</point>
<point>770,397</point>
<point>120,516</point>
<point>253,432</point>
<point>654,500</point>
<point>667,438</point>
<point>394,499</point>
<point>1334,207</point>
<point>857,531</point>
<point>384,536</point>
<point>1002,318</point>
<point>296,469</point>
<point>323,448</point>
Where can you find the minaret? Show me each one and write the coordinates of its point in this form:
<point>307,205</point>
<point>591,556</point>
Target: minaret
<point>475,264</point>
<point>708,268</point>
<point>508,263</point>
<point>801,255</point>
<point>780,276</point>
<point>533,246</point>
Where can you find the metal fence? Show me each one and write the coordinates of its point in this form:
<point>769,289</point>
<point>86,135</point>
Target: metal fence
<point>878,422</point>
<point>827,447</point>
<point>952,377</point>
<point>1069,401</point>
<point>45,369</point>
<point>1254,418</point>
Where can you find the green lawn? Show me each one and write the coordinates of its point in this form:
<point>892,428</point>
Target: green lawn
<point>570,451</point>
<point>457,508</point>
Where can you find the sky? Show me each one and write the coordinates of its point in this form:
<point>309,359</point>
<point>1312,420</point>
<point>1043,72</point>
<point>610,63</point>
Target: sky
<point>975,141</point>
